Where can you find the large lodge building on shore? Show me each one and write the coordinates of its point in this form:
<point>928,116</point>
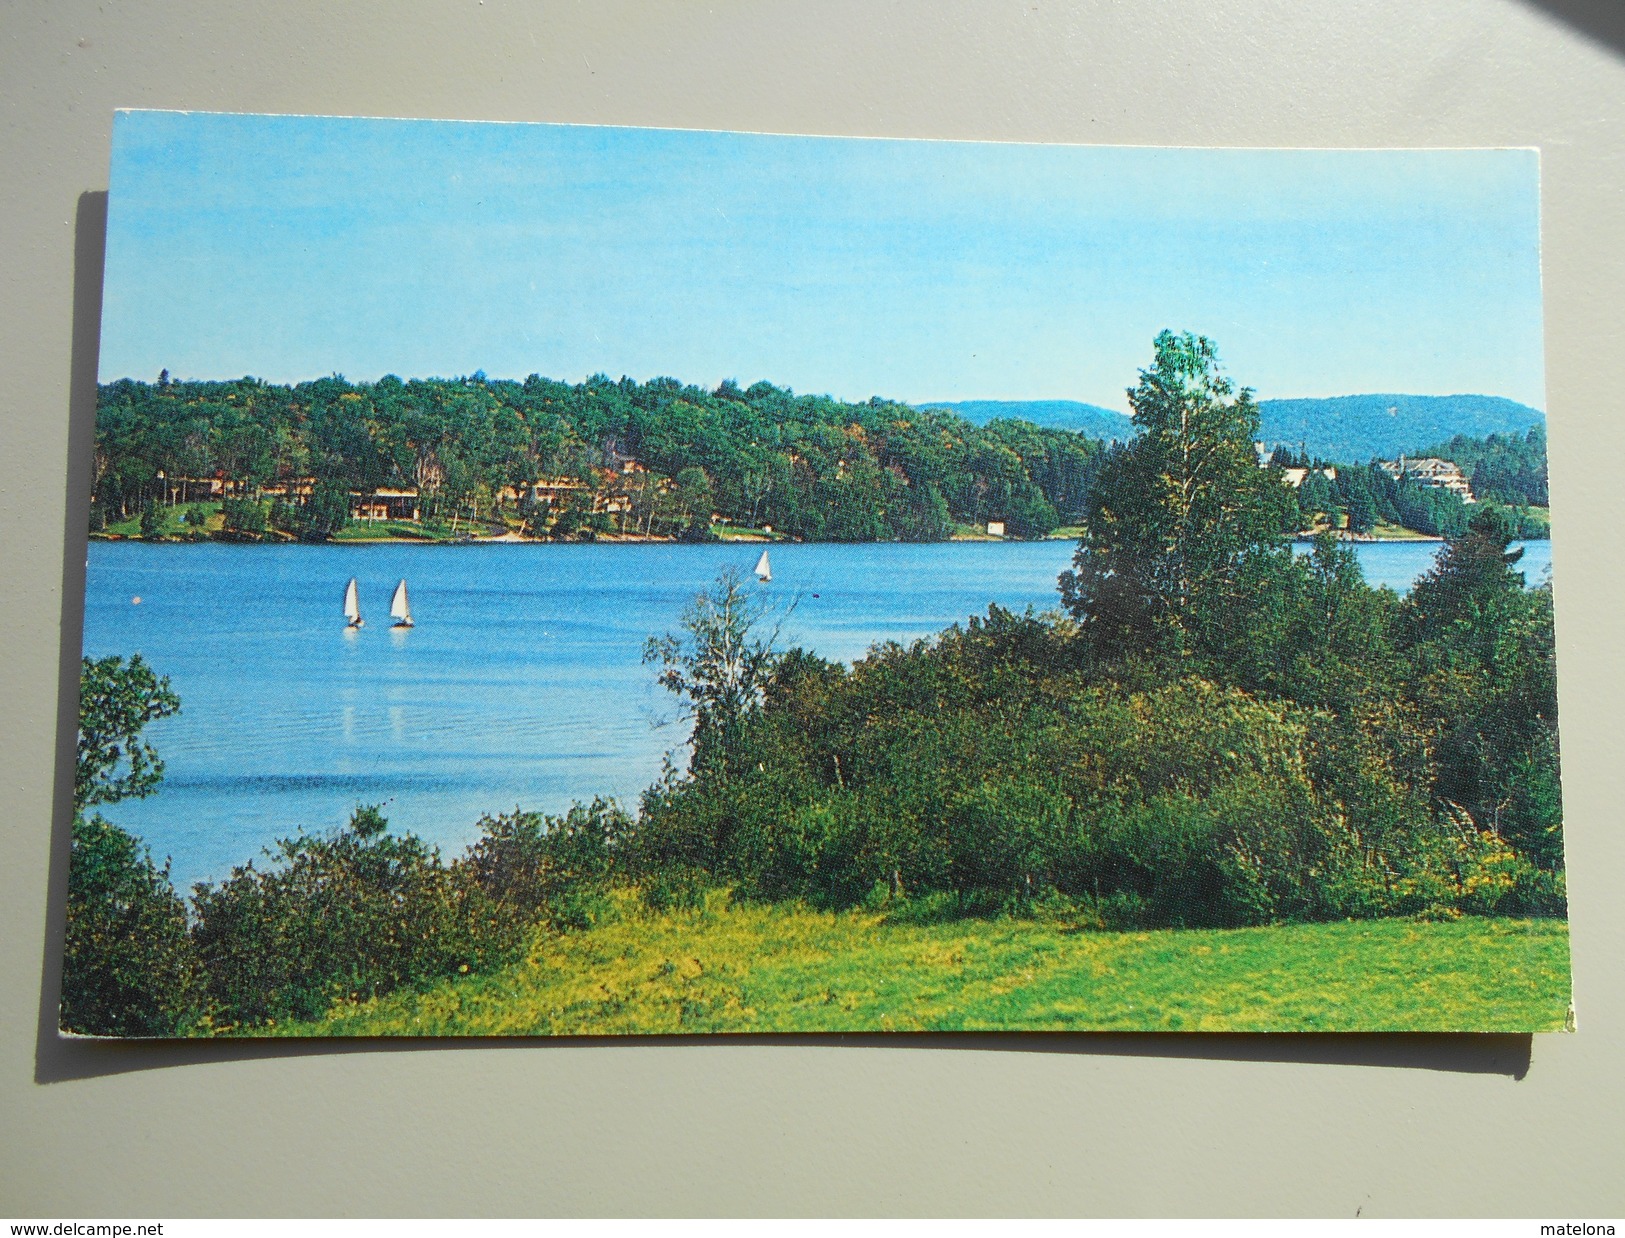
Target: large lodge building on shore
<point>1426,471</point>
<point>1433,473</point>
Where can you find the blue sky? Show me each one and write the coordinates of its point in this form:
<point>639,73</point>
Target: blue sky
<point>293,247</point>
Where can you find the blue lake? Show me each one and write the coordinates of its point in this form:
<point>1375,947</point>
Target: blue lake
<point>522,684</point>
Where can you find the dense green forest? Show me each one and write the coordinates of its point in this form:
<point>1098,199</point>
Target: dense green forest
<point>1218,731</point>
<point>1212,731</point>
<point>1505,471</point>
<point>1504,468</point>
<point>809,466</point>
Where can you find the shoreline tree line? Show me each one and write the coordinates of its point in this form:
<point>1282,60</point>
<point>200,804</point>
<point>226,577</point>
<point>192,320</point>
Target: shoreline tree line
<point>1213,730</point>
<point>809,467</point>
<point>812,467</point>
<point>1506,471</point>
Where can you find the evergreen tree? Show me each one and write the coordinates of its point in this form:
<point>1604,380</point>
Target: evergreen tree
<point>152,518</point>
<point>1483,661</point>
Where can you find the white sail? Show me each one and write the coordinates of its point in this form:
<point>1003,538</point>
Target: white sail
<point>352,604</point>
<point>399,607</point>
<point>763,570</point>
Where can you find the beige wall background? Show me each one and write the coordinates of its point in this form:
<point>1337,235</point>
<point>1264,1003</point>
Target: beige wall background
<point>1090,1125</point>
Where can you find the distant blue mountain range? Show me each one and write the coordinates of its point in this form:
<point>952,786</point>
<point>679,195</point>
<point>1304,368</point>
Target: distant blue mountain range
<point>1088,419</point>
<point>1349,428</point>
<point>1354,428</point>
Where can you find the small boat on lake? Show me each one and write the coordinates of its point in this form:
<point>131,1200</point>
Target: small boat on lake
<point>399,608</point>
<point>764,571</point>
<point>352,606</point>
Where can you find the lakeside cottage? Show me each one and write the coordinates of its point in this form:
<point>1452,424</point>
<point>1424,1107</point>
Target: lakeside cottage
<point>385,503</point>
<point>295,490</point>
<point>1293,475</point>
<point>200,489</point>
<point>613,494</point>
<point>545,491</point>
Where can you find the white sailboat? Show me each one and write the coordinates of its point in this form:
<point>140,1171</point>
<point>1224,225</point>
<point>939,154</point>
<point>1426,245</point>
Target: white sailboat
<point>764,571</point>
<point>399,608</point>
<point>352,606</point>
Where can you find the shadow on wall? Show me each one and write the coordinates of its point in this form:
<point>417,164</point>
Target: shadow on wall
<point>1602,21</point>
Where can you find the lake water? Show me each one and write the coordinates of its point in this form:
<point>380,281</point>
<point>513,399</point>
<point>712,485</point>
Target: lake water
<point>523,683</point>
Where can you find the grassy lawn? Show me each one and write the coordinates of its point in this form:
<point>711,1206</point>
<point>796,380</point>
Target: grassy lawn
<point>390,530</point>
<point>972,533</point>
<point>1399,533</point>
<point>789,969</point>
<point>743,533</point>
<point>172,524</point>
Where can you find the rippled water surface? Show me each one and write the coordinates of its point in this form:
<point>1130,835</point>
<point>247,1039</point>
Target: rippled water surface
<point>522,684</point>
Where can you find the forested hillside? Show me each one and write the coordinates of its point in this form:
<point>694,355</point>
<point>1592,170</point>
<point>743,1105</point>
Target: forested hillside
<point>1358,428</point>
<point>1087,419</point>
<point>1351,428</point>
<point>1503,468</point>
<point>1507,472</point>
<point>810,466</point>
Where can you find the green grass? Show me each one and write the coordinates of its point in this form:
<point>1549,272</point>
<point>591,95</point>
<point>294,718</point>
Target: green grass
<point>742,533</point>
<point>785,968</point>
<point>171,524</point>
<point>1399,533</point>
<point>390,530</point>
<point>972,533</point>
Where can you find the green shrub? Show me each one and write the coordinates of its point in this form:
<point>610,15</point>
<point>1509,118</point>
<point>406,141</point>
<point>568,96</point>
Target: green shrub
<point>678,888</point>
<point>1166,854</point>
<point>997,762</point>
<point>246,516</point>
<point>349,915</point>
<point>823,853</point>
<point>549,869</point>
<point>1458,869</point>
<point>682,826</point>
<point>128,966</point>
<point>1002,836</point>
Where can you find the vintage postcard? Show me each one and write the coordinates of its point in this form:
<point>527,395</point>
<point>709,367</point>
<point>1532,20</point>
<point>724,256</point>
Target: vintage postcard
<point>558,580</point>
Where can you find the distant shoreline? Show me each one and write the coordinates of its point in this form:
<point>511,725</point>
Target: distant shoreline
<point>1305,539</point>
<point>622,539</point>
